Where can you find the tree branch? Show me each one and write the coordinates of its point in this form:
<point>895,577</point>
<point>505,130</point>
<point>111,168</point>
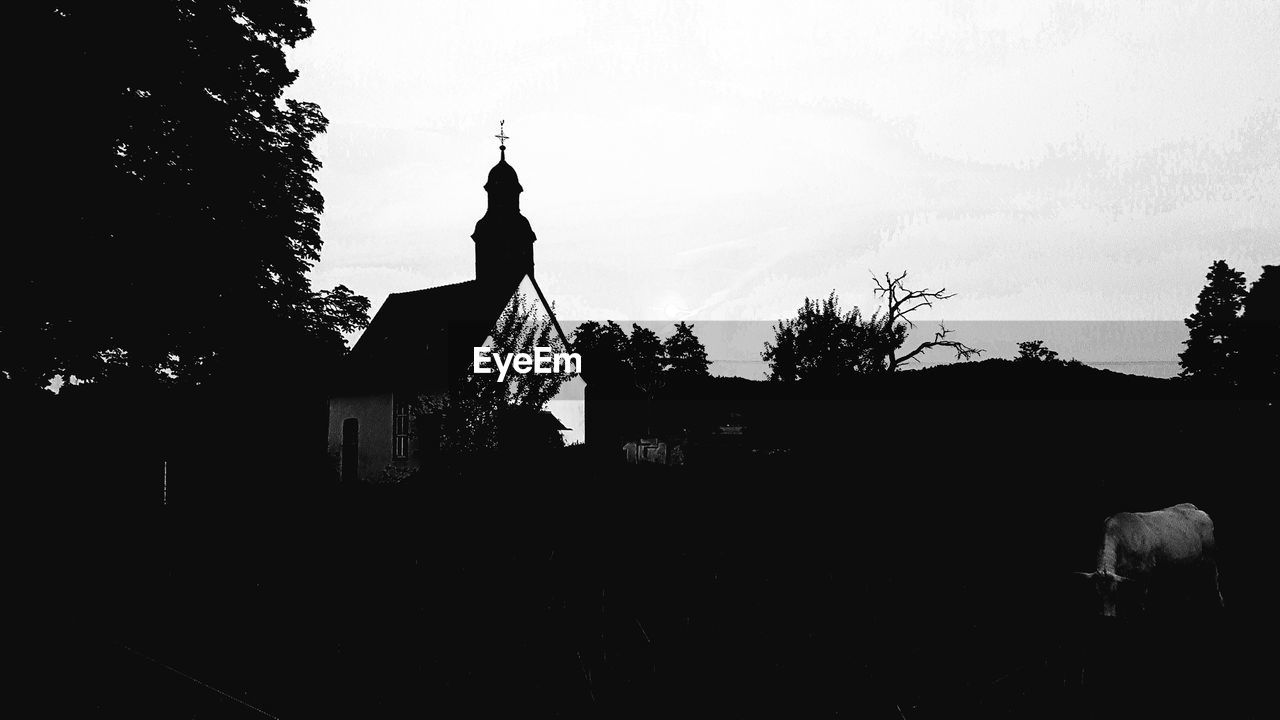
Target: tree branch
<point>963,352</point>
<point>889,290</point>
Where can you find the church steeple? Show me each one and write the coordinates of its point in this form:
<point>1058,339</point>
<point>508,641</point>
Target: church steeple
<point>503,185</point>
<point>503,237</point>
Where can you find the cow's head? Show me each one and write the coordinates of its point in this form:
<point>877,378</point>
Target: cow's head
<point>1114,590</point>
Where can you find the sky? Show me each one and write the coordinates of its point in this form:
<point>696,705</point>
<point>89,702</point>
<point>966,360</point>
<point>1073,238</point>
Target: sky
<point>724,160</point>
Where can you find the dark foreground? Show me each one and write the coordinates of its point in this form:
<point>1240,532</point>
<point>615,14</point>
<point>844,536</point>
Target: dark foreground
<point>927,576</point>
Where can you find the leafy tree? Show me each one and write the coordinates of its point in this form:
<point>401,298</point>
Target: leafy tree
<point>175,187</point>
<point>686,356</point>
<point>338,310</point>
<point>522,327</point>
<point>465,421</point>
<point>824,343</point>
<point>605,349</point>
<point>1210,349</point>
<point>1035,351</point>
<point>475,415</point>
<point>1257,342</point>
<point>645,360</point>
<point>645,355</point>
<point>641,358</point>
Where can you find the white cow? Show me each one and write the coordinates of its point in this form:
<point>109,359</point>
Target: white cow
<point>1162,544</point>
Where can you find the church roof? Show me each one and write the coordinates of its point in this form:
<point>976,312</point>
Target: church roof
<point>503,175</point>
<point>424,338</point>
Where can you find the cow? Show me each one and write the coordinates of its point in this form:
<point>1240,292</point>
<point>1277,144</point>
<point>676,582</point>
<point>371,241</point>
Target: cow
<point>1173,546</point>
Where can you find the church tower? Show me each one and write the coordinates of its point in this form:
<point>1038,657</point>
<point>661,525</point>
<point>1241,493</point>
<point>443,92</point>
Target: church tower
<point>503,237</point>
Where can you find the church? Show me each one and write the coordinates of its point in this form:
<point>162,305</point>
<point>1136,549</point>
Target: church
<point>421,343</point>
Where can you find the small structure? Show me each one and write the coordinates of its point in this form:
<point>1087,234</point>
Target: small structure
<point>421,343</point>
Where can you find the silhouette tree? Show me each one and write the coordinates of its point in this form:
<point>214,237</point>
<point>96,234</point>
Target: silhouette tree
<point>642,357</point>
<point>645,356</point>
<point>482,410</point>
<point>1210,347</point>
<point>686,356</point>
<point>175,188</point>
<point>1257,341</point>
<point>646,360</point>
<point>605,350</point>
<point>903,301</point>
<point>1035,351</point>
<point>824,343</point>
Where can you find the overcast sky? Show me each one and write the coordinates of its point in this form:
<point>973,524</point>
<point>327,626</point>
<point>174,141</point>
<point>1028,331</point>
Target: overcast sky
<point>708,160</point>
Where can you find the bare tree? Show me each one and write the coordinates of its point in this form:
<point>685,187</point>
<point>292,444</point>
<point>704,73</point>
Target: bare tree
<point>902,301</point>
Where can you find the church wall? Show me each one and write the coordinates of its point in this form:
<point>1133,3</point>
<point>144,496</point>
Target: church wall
<point>375,415</point>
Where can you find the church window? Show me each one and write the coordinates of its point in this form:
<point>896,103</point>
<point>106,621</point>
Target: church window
<point>400,431</point>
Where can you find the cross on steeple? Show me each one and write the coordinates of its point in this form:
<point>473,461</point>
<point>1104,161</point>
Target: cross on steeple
<point>502,136</point>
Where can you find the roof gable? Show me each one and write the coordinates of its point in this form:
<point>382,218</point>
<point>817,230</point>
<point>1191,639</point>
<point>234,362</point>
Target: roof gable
<point>423,338</point>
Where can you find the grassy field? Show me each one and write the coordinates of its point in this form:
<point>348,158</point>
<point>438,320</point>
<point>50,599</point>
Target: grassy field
<point>835,569</point>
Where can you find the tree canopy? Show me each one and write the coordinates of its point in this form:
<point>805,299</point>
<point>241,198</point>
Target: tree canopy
<point>1257,341</point>
<point>1035,351</point>
<point>686,356</point>
<point>641,358</point>
<point>645,356</point>
<point>824,343</point>
<point>175,187</point>
<point>604,347</point>
<point>1210,349</point>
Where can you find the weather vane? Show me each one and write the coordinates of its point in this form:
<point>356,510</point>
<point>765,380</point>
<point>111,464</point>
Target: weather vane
<point>502,136</point>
